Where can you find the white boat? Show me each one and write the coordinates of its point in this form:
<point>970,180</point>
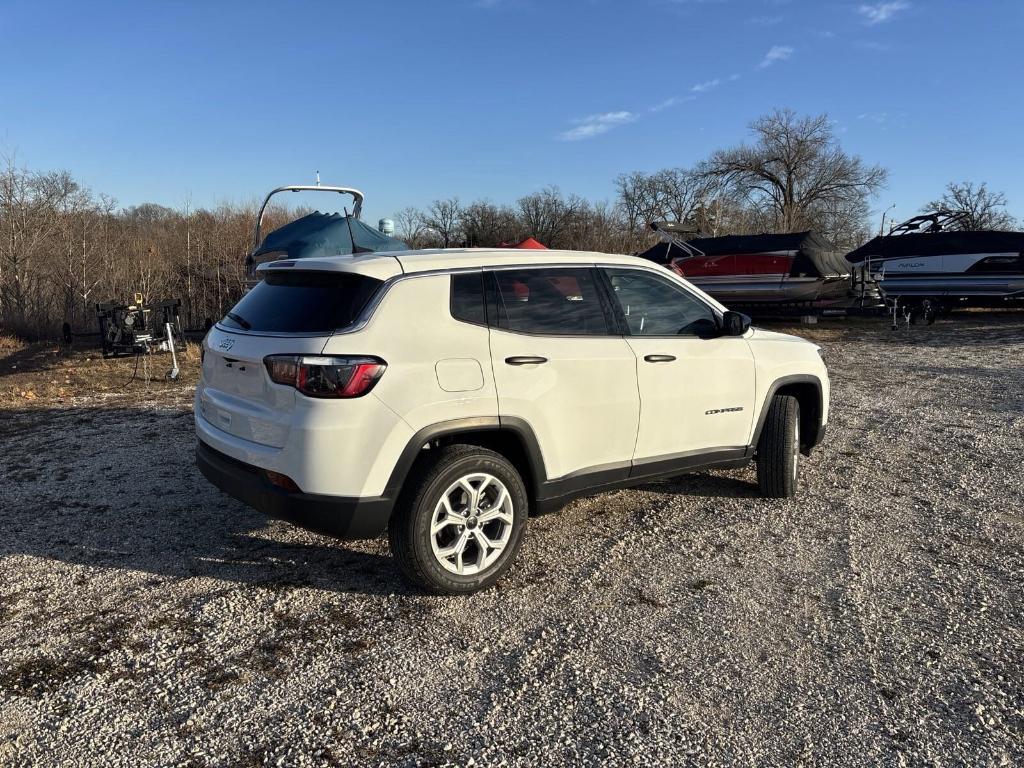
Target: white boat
<point>317,234</point>
<point>923,262</point>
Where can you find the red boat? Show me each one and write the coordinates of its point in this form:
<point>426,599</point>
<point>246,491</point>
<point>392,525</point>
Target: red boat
<point>796,268</point>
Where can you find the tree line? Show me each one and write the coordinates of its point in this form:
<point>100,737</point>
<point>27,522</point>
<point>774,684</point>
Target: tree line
<point>64,248</point>
<point>793,176</point>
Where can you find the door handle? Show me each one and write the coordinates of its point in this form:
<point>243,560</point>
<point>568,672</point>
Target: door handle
<point>659,358</point>
<point>525,360</point>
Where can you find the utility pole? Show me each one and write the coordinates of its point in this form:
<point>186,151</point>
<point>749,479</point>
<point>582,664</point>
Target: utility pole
<point>881,227</point>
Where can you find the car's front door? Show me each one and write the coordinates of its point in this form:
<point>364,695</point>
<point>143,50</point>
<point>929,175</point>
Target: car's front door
<point>560,365</point>
<point>696,387</point>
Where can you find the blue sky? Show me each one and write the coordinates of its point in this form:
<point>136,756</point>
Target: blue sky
<point>220,101</point>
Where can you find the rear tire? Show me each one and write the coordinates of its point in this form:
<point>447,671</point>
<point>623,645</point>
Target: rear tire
<point>460,521</point>
<point>778,449</point>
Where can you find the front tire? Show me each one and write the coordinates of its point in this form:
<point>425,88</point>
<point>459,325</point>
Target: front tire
<point>778,450</point>
<point>460,522</point>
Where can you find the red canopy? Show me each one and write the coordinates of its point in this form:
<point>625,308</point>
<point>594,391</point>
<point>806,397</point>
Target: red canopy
<point>531,244</point>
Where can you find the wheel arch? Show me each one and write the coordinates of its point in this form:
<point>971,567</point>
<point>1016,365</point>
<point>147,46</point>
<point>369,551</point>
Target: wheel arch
<point>807,389</point>
<point>511,437</point>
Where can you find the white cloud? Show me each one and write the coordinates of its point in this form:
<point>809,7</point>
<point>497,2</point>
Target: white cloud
<point>880,118</point>
<point>594,125</point>
<point>670,102</point>
<point>876,13</point>
<point>777,53</point>
<point>706,86</point>
<point>696,90</point>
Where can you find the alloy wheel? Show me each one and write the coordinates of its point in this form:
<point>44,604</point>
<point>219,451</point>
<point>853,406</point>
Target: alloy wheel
<point>471,524</point>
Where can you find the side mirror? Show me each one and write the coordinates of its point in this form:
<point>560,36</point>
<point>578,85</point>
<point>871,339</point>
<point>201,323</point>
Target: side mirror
<point>735,323</point>
<point>703,328</point>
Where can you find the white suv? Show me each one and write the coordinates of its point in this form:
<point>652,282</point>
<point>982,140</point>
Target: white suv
<point>445,395</point>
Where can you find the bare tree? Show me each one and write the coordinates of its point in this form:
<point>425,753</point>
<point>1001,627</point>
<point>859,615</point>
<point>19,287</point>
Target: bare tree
<point>678,194</point>
<point>62,248</point>
<point>633,193</point>
<point>486,225</point>
<point>982,208</point>
<point>546,215</point>
<point>797,171</point>
<point>82,225</point>
<point>409,225</point>
<point>186,213</point>
<point>684,195</point>
<point>599,227</point>
<point>444,217</point>
<point>30,219</point>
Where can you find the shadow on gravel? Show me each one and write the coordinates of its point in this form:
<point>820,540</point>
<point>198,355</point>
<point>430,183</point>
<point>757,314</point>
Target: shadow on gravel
<point>117,488</point>
<point>716,486</point>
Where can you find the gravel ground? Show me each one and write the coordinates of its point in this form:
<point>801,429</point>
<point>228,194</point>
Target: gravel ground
<point>877,619</point>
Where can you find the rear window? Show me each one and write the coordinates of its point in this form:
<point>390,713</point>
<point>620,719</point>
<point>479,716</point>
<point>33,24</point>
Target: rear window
<point>550,301</point>
<point>302,302</point>
<point>468,298</point>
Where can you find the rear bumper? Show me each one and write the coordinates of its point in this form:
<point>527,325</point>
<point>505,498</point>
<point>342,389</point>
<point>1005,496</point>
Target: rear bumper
<point>339,516</point>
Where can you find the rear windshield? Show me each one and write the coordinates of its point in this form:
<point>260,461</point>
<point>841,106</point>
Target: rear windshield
<point>302,302</point>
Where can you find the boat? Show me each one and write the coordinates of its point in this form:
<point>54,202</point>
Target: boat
<point>317,234</point>
<point>796,270</point>
<point>924,263</point>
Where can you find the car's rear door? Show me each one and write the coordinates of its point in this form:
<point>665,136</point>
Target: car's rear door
<point>696,387</point>
<point>560,365</point>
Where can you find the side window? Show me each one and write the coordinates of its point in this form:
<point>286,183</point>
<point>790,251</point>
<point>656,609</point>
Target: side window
<point>654,306</point>
<point>468,298</point>
<point>551,301</point>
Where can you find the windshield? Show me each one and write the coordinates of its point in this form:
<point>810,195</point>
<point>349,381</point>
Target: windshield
<point>302,302</point>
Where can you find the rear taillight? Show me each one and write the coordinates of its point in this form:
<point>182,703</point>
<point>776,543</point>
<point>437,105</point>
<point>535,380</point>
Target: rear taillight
<point>323,376</point>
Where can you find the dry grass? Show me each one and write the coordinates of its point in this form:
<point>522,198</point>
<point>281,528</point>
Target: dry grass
<point>189,354</point>
<point>48,374</point>
<point>10,343</point>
